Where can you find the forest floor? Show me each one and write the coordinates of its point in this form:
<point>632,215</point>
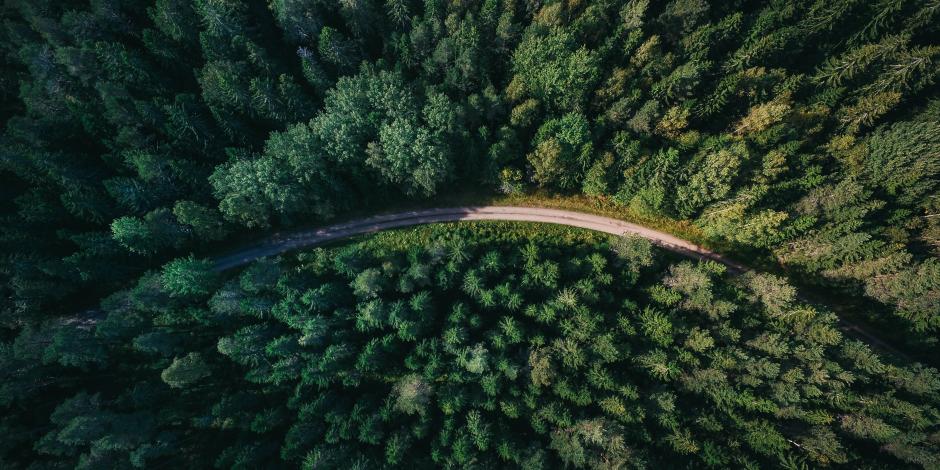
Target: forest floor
<point>280,243</point>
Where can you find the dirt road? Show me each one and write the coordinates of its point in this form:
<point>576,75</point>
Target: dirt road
<point>283,243</point>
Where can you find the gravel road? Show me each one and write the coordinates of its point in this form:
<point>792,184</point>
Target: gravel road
<point>282,243</point>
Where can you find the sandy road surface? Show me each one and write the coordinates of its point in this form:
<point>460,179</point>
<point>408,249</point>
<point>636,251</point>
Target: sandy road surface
<point>287,242</point>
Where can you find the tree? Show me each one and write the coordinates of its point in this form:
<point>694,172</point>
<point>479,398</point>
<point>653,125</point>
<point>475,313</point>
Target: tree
<point>368,283</point>
<point>904,160</point>
<point>695,283</point>
<point>656,326</point>
<point>681,16</point>
<point>732,220</point>
<point>248,347</point>
<point>412,395</point>
<point>635,250</point>
<point>371,121</point>
<point>225,89</point>
<point>252,191</point>
<point>299,21</point>
<point>206,223</point>
<point>540,364</point>
<point>914,291</point>
<point>409,157</point>
<point>762,116</point>
<point>596,180</point>
<point>74,346</point>
<point>645,118</point>
<point>337,50</point>
<point>479,430</point>
<point>189,277</point>
<point>713,180</point>
<point>772,291</point>
<point>764,438</point>
<point>646,186</point>
<point>591,443</point>
<point>474,360</point>
<point>155,232</point>
<point>397,11</point>
<point>186,371</point>
<point>562,151</point>
<point>550,67</point>
<point>824,446</point>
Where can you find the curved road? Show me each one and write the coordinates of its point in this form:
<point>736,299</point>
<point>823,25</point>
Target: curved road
<point>282,243</point>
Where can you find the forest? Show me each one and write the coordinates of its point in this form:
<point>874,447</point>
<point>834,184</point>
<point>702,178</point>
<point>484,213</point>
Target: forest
<point>485,347</point>
<point>141,138</point>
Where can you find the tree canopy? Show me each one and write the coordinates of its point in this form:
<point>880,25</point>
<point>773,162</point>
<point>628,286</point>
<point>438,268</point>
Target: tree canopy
<point>141,138</point>
<point>622,356</point>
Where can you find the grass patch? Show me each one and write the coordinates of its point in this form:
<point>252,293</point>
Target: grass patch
<point>606,207</point>
<point>486,232</point>
<point>481,231</point>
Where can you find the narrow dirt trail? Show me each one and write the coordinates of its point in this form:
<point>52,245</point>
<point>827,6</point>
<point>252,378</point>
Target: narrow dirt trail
<point>281,243</point>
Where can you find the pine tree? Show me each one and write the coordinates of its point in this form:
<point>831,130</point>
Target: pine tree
<point>189,277</point>
<point>185,371</point>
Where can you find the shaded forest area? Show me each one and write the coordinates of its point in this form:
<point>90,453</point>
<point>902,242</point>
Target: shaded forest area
<point>481,345</point>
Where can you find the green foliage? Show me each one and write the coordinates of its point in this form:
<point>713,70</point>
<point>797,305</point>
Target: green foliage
<point>252,190</point>
<point>634,250</point>
<point>914,291</point>
<point>157,231</point>
<point>135,132</point>
<point>372,121</point>
<point>904,160</point>
<point>144,118</point>
<point>205,222</point>
<point>553,68</point>
<point>562,151</point>
<point>412,395</point>
<point>189,277</point>
<point>409,156</point>
<point>332,358</point>
<point>591,444</point>
<point>712,181</point>
<point>186,371</point>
